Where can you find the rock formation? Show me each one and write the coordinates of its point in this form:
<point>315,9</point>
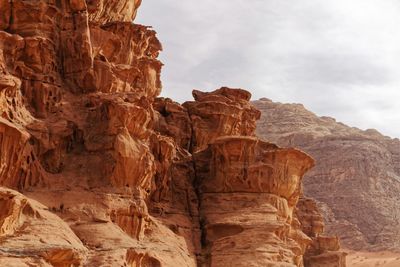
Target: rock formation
<point>359,169</point>
<point>95,170</point>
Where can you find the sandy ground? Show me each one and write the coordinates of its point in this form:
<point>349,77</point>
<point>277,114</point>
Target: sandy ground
<point>373,259</point>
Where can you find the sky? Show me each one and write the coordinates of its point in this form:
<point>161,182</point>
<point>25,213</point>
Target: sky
<point>339,58</point>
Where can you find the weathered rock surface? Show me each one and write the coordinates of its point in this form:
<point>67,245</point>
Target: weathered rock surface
<point>28,229</point>
<point>357,175</point>
<point>248,188</point>
<point>77,86</point>
<point>95,170</point>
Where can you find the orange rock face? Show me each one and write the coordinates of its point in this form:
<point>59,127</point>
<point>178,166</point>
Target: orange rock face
<point>248,189</point>
<point>110,175</point>
<point>221,113</point>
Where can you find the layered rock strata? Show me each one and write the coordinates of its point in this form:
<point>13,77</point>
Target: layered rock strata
<point>248,188</point>
<point>110,175</point>
<point>359,169</point>
<point>77,86</point>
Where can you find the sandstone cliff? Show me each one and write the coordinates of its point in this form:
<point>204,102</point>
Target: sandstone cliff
<point>357,175</point>
<point>95,170</point>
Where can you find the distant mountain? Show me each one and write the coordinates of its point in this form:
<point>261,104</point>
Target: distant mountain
<point>356,179</point>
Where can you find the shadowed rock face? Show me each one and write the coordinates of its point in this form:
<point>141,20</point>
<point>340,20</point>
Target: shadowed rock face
<point>248,192</point>
<point>95,170</point>
<point>359,169</point>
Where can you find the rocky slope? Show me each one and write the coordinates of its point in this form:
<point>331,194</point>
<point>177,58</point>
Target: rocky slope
<point>356,179</point>
<point>95,170</point>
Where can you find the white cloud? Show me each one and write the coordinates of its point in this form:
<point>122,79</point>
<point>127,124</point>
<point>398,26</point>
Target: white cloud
<point>339,58</point>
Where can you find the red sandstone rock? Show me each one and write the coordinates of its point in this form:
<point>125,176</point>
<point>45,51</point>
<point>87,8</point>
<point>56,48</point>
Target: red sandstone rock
<point>223,112</point>
<point>125,178</point>
<point>104,11</point>
<point>243,222</point>
<point>28,229</point>
<point>248,189</point>
<point>324,250</point>
<point>87,156</point>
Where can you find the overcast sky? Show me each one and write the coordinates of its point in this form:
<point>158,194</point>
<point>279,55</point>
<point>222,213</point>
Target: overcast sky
<point>339,58</point>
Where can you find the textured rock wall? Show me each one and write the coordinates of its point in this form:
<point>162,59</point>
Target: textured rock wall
<point>77,86</point>
<point>360,168</point>
<point>110,175</point>
<point>248,189</point>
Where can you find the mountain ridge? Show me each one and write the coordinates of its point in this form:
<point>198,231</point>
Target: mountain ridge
<point>360,167</point>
